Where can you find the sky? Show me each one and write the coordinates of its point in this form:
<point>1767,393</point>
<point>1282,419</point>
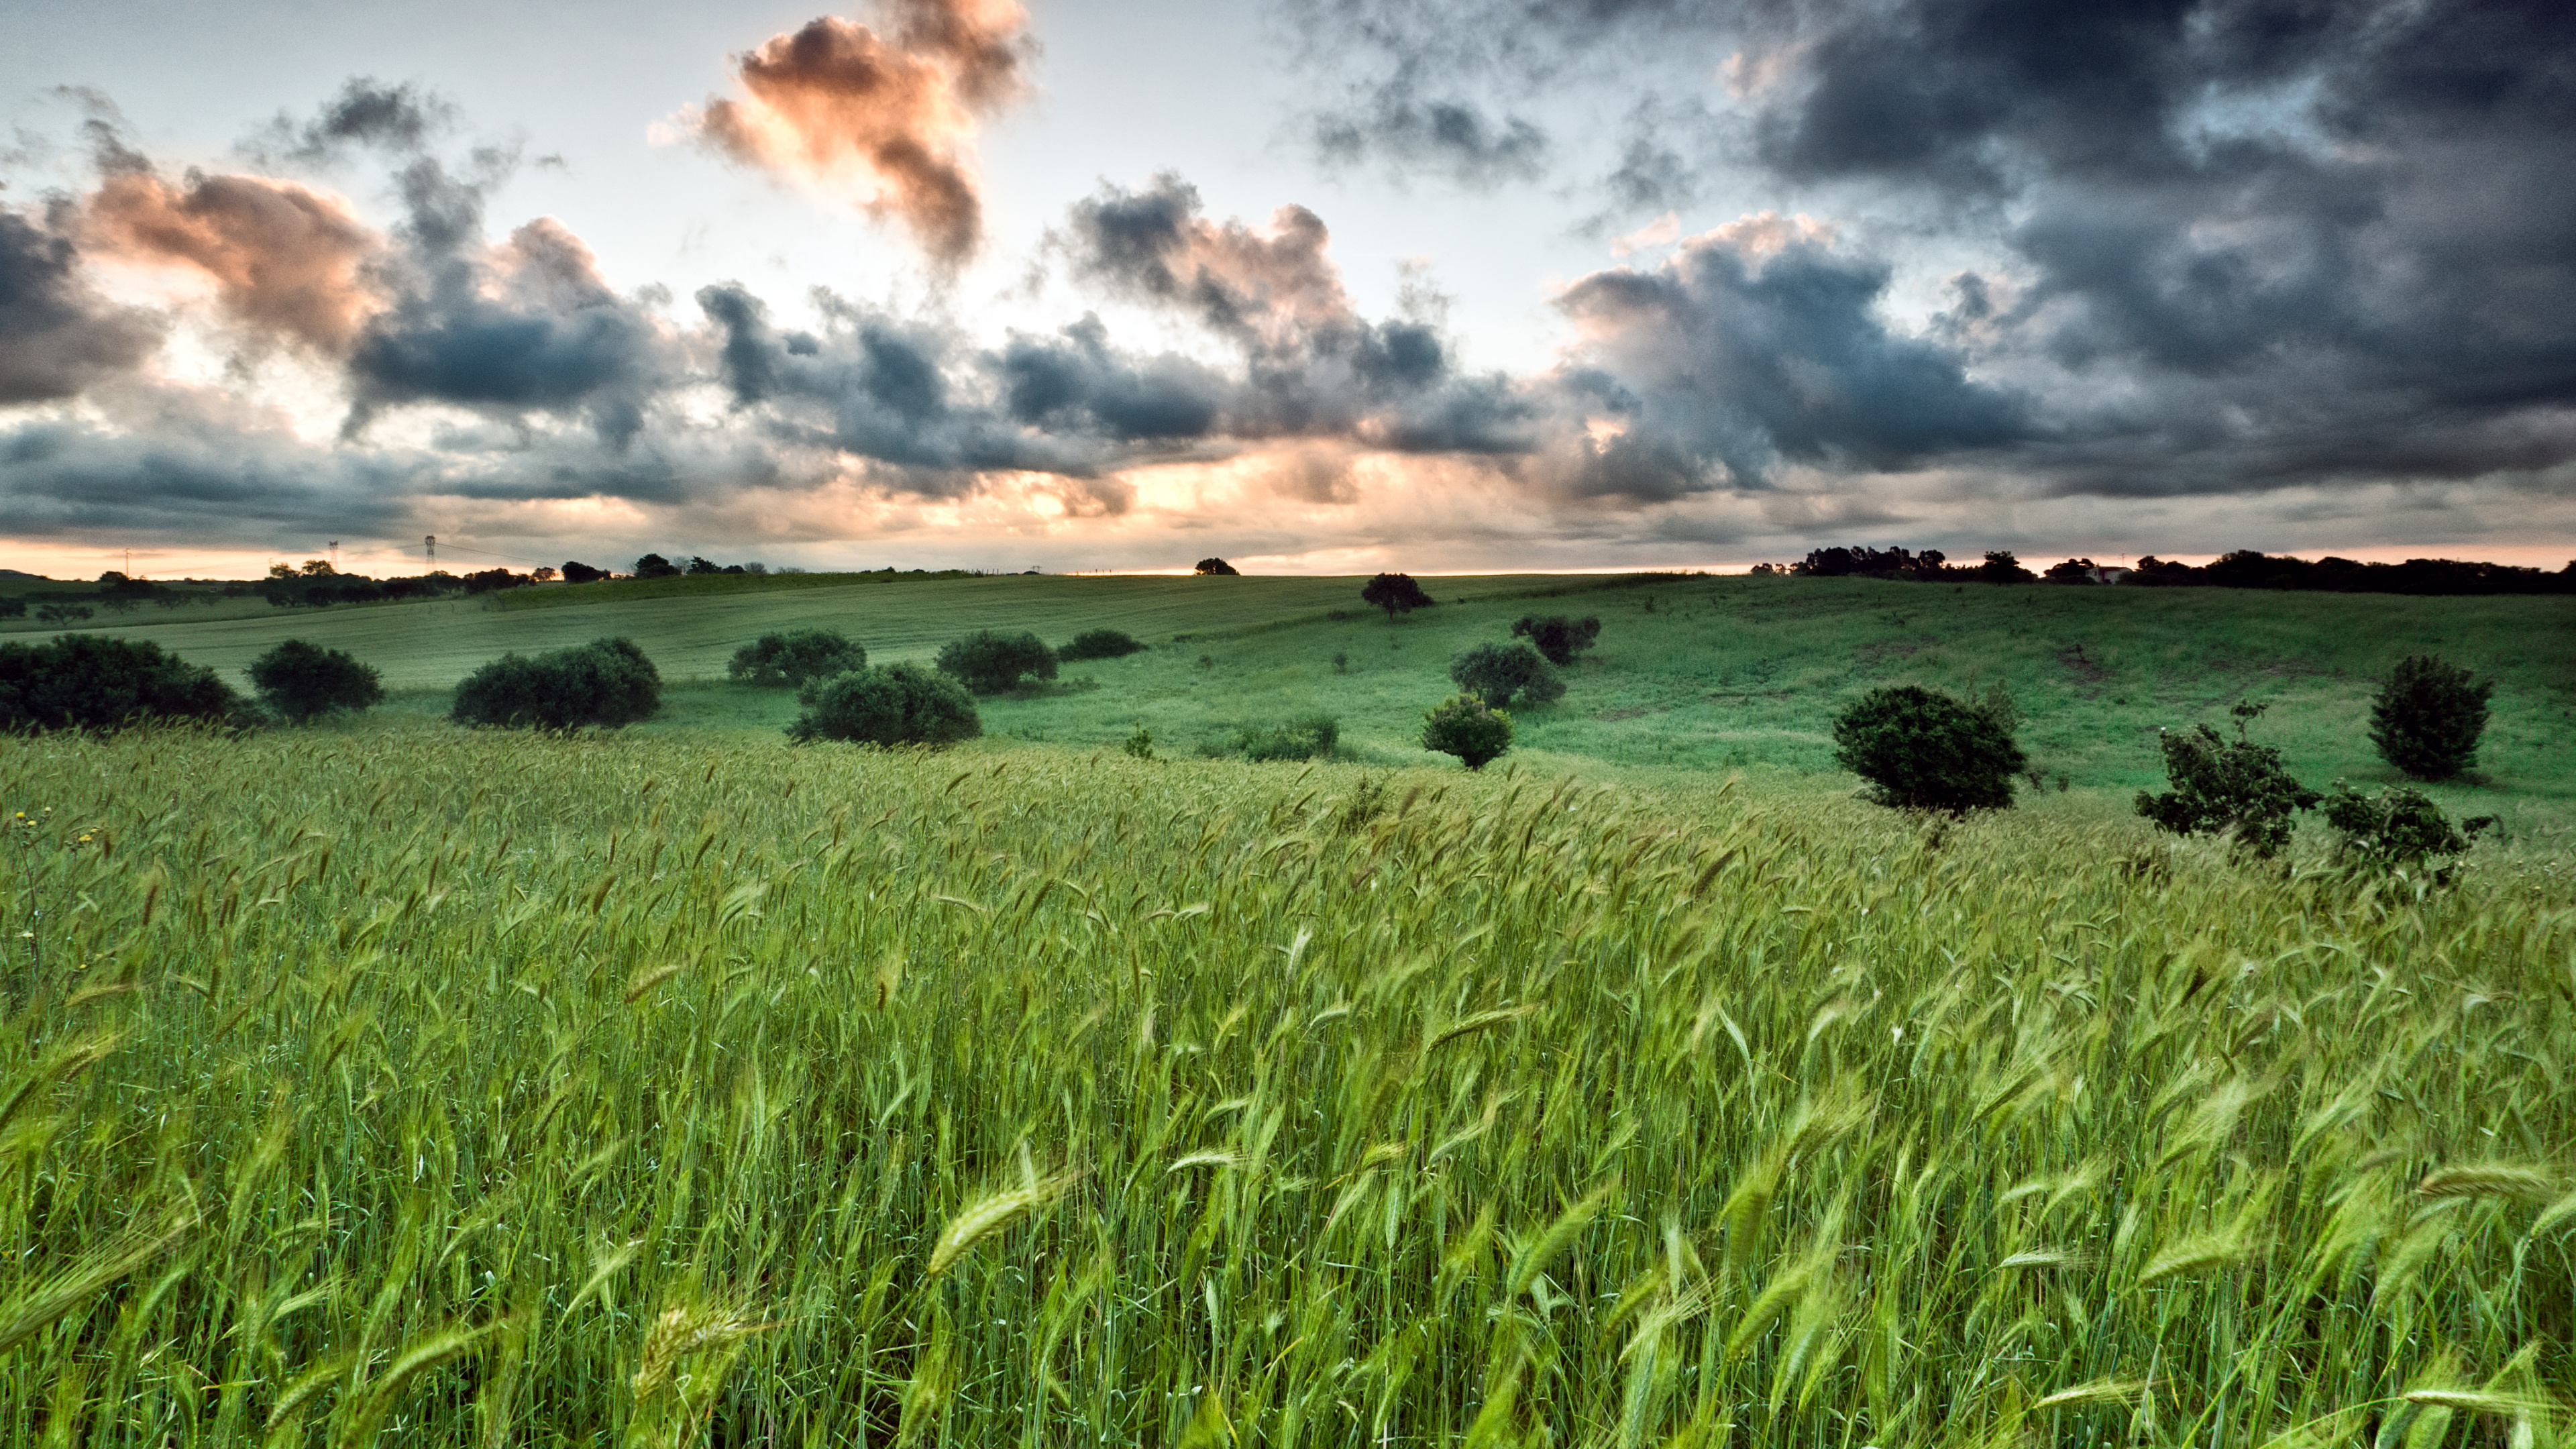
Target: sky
<point>1317,286</point>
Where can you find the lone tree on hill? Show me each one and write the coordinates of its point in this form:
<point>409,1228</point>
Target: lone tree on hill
<point>795,657</point>
<point>991,662</point>
<point>899,704</point>
<point>1395,593</point>
<point>581,573</point>
<point>1498,673</point>
<point>300,681</point>
<point>2428,715</point>
<point>1467,727</point>
<point>2219,787</point>
<point>1558,637</point>
<point>1217,566</point>
<point>1922,750</point>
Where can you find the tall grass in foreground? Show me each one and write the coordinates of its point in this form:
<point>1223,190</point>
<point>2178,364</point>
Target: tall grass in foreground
<point>444,1089</point>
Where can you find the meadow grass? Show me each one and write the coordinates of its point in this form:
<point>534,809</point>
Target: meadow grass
<point>415,1085</point>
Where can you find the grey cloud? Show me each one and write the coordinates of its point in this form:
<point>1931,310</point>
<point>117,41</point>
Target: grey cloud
<point>367,114</point>
<point>57,335</point>
<point>1400,121</point>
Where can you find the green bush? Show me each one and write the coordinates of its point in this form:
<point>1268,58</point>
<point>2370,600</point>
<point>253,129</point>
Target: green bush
<point>991,662</point>
<point>1500,672</point>
<point>81,681</point>
<point>1102,644</point>
<point>2427,717</point>
<point>1467,727</point>
<point>1312,737</point>
<point>606,682</point>
<point>1558,637</point>
<point>300,680</point>
<point>895,704</point>
<point>1920,749</point>
<point>1217,566</point>
<point>2401,826</point>
<point>2223,788</point>
<point>795,658</point>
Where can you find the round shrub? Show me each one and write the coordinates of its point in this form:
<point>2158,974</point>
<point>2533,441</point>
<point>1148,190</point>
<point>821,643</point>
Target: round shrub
<point>300,680</point>
<point>606,682</point>
<point>796,657</point>
<point>1501,672</point>
<point>1922,750</point>
<point>896,704</point>
<point>1467,727</point>
<point>991,662</point>
<point>81,681</point>
<point>1102,644</point>
<point>1311,737</point>
<point>2427,717</point>
<point>2401,826</point>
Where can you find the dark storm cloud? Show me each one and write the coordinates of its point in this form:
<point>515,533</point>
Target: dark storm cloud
<point>1076,382</point>
<point>2236,244</point>
<point>528,325</point>
<point>57,335</point>
<point>1313,366</point>
<point>1759,343</point>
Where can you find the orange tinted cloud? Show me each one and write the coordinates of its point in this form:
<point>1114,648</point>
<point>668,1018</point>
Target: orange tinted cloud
<point>837,105</point>
<point>285,259</point>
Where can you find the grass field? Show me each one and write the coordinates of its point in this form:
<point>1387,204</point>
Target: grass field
<point>409,1085</point>
<point>1693,674</point>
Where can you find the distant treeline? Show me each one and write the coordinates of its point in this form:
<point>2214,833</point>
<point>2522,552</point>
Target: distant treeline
<point>2243,569</point>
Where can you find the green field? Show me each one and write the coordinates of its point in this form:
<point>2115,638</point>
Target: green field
<point>1693,675</point>
<point>410,1085</point>
<point>389,1082</point>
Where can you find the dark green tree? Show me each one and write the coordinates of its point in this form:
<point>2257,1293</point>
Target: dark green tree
<point>2399,827</point>
<point>991,662</point>
<point>2222,787</point>
<point>2001,567</point>
<point>1920,749</point>
<point>1499,673</point>
<point>795,657</point>
<point>654,566</point>
<point>606,682</point>
<point>896,704</point>
<point>2428,715</point>
<point>1217,566</point>
<point>1395,593</point>
<point>81,681</point>
<point>300,680</point>
<point>1101,644</point>
<point>1467,727</point>
<point>1558,637</point>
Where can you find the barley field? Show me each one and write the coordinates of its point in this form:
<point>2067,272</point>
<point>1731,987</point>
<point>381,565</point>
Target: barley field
<point>418,1086</point>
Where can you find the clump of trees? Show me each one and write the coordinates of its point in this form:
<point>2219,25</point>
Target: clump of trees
<point>2234,788</point>
<point>1499,673</point>
<point>1465,726</point>
<point>654,566</point>
<point>989,661</point>
<point>1920,749</point>
<point>889,705</point>
<point>82,681</point>
<point>606,682</point>
<point>795,657</point>
<point>1558,637</point>
<point>299,681</point>
<point>1396,594</point>
<point>2428,715</point>
<point>1217,566</point>
<point>576,572</point>
<point>1102,644</point>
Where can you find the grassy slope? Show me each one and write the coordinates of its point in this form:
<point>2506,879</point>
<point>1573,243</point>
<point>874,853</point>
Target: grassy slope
<point>496,1089</point>
<point>1693,674</point>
